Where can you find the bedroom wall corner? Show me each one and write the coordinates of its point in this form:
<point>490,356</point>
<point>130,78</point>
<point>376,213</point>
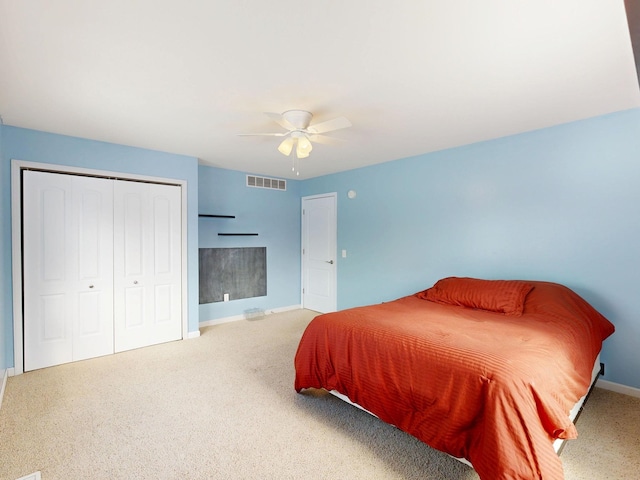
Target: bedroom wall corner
<point>274,215</point>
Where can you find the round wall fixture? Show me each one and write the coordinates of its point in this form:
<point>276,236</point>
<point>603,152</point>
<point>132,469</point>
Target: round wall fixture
<point>351,194</point>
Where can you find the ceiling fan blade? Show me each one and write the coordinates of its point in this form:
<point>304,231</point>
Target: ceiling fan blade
<point>325,140</point>
<point>329,125</point>
<point>263,134</point>
<point>280,120</point>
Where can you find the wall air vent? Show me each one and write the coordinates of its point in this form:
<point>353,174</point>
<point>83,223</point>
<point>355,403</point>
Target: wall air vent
<point>264,182</point>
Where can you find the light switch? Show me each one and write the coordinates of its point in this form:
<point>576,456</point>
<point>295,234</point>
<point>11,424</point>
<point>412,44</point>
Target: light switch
<point>344,254</point>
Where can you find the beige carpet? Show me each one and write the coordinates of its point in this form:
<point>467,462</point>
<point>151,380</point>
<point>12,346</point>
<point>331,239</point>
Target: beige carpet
<point>222,406</point>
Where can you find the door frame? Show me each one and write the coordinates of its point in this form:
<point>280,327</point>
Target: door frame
<point>16,239</point>
<point>335,246</point>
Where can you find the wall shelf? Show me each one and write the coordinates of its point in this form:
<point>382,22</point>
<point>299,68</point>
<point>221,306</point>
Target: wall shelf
<point>237,234</point>
<point>206,215</point>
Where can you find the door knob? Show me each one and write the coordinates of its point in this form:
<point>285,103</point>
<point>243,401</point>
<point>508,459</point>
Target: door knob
<point>329,261</point>
<point>135,282</point>
<point>90,286</point>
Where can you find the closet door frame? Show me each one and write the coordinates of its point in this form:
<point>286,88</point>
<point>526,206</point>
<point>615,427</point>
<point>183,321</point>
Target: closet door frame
<point>17,166</point>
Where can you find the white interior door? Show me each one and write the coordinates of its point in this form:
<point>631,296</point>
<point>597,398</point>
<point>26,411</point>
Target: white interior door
<point>147,252</point>
<point>319,253</point>
<point>67,268</point>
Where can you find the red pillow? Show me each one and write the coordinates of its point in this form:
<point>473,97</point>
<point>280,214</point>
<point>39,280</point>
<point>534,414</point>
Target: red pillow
<point>501,296</point>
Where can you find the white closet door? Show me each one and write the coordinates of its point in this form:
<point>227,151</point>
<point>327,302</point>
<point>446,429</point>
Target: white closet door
<point>68,268</point>
<point>147,252</point>
<point>93,332</point>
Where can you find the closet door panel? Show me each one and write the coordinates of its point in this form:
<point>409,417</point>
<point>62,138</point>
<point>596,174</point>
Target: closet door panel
<point>93,333</point>
<point>167,293</point>
<point>133,228</point>
<point>162,303</point>
<point>67,263</point>
<point>147,226</point>
<point>47,275</point>
<point>131,269</point>
<point>134,309</point>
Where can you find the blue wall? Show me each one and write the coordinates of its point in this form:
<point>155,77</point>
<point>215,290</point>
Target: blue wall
<point>35,146</point>
<point>560,204</point>
<point>273,214</point>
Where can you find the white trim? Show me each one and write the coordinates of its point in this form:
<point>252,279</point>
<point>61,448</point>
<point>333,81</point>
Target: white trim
<point>16,262</point>
<point>235,318</point>
<point>618,388</point>
<point>16,239</point>
<point>195,334</point>
<point>5,375</point>
<point>218,321</point>
<point>185,260</point>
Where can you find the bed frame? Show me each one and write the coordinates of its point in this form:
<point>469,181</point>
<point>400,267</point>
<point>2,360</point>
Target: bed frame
<point>558,444</point>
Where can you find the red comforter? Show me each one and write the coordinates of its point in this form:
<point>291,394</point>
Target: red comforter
<point>491,388</point>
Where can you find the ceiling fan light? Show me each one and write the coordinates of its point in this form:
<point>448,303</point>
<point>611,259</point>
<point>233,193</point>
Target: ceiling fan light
<point>286,146</point>
<point>304,147</point>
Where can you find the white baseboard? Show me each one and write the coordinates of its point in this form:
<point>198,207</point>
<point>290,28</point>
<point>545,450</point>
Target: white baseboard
<point>235,318</point>
<point>3,384</point>
<point>195,334</point>
<point>619,388</point>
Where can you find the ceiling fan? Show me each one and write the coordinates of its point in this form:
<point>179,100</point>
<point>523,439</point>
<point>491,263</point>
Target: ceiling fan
<point>300,132</point>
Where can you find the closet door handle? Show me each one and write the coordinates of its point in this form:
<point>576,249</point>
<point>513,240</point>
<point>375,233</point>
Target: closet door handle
<point>90,286</point>
<point>135,282</point>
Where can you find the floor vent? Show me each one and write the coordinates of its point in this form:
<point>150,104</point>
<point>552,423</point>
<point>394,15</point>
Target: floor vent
<point>33,476</point>
<point>264,182</point>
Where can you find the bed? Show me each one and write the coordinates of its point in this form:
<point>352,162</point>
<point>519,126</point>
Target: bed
<point>484,370</point>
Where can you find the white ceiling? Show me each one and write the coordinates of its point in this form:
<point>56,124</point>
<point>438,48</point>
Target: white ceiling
<point>413,76</point>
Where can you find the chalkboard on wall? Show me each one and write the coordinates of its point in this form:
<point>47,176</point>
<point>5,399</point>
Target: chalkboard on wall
<point>239,272</point>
